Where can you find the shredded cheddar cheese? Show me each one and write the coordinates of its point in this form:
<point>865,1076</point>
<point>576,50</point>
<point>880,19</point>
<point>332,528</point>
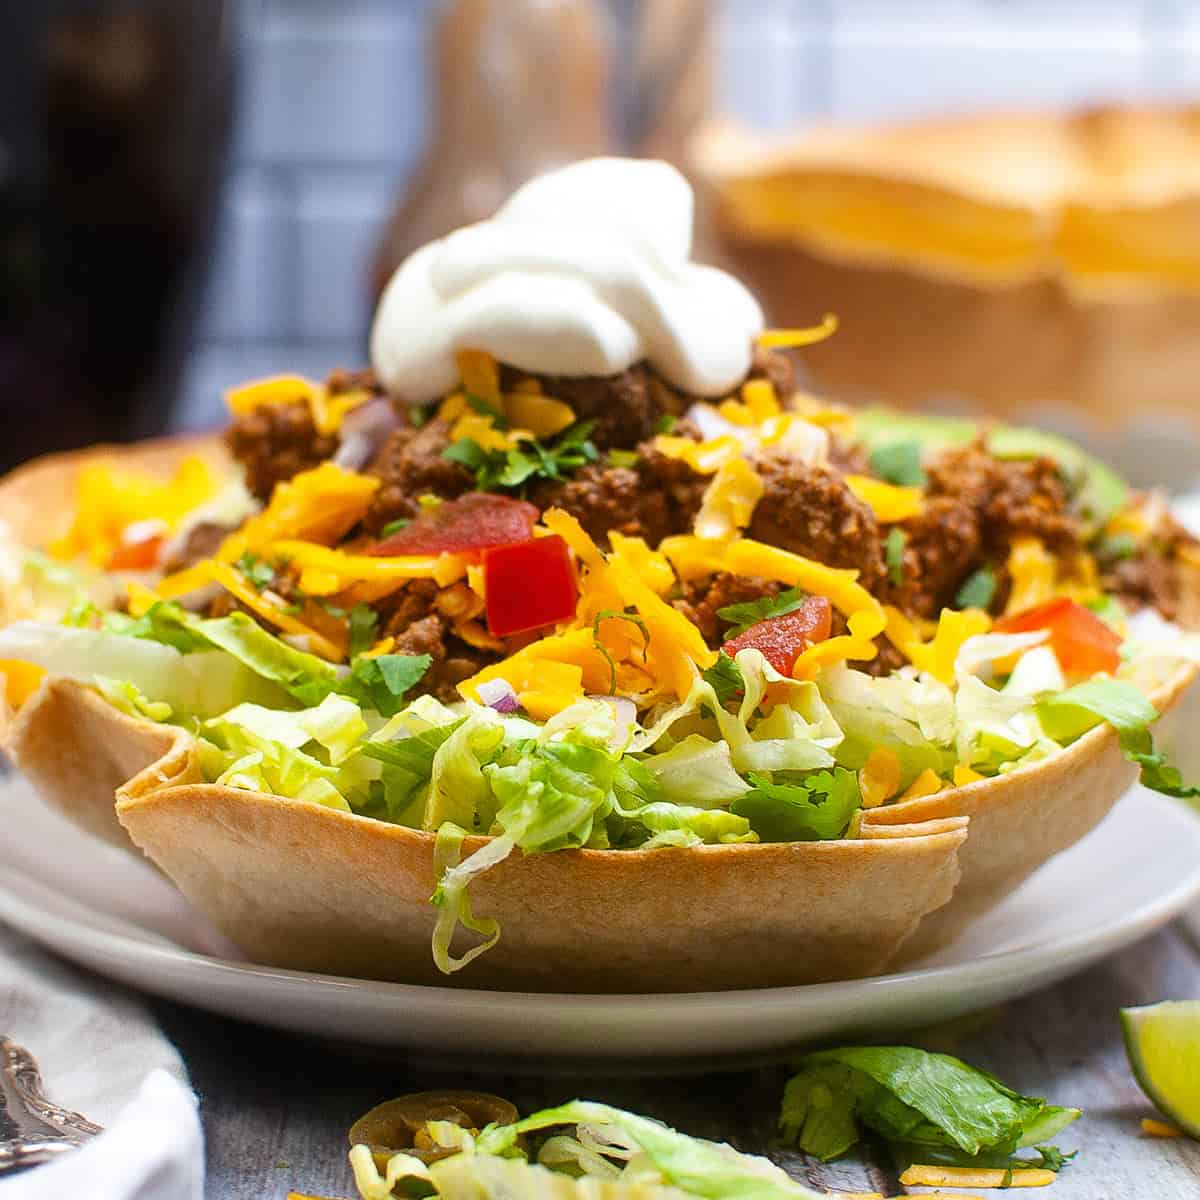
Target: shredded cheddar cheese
<point>705,458</point>
<point>855,646</point>
<point>729,501</point>
<point>480,375</point>
<point>925,784</point>
<point>110,499</point>
<point>320,505</point>
<point>1034,575</point>
<point>18,681</point>
<point>888,502</point>
<point>273,613</point>
<point>652,566</point>
<point>1149,1125</point>
<point>325,571</point>
<point>543,416</point>
<point>921,1175</point>
<point>758,395</point>
<point>964,775</point>
<point>879,779</point>
<point>938,655</point>
<point>793,339</point>
<point>328,411</point>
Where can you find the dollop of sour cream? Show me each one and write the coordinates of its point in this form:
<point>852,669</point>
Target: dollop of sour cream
<point>585,271</point>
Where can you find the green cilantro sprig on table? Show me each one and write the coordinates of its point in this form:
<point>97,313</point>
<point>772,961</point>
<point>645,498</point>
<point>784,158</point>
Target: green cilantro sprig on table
<point>749,612</point>
<point>527,462</point>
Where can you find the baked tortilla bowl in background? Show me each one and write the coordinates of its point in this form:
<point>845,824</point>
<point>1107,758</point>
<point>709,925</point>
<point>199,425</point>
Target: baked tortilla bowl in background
<point>302,886</point>
<point>1036,267</point>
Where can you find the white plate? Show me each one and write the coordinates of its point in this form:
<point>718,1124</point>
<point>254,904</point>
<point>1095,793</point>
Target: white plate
<point>1135,872</point>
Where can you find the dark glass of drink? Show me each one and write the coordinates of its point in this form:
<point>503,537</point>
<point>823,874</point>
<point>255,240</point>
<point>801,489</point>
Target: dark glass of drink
<point>114,126</point>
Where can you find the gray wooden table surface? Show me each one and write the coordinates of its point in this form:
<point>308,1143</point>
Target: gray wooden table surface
<point>276,1108</point>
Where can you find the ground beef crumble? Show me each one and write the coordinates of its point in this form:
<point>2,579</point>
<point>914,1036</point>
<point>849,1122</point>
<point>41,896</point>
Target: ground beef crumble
<point>809,510</point>
<point>411,465</point>
<point>701,598</point>
<point>1164,574</point>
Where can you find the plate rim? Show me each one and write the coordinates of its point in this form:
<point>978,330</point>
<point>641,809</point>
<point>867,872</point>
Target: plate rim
<point>157,951</point>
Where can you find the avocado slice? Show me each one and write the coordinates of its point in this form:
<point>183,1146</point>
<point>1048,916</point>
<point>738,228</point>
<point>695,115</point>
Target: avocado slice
<point>1097,491</point>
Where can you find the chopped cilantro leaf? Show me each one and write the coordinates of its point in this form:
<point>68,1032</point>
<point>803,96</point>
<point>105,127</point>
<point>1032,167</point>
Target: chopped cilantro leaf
<point>725,678</point>
<point>468,452</point>
<point>484,409</point>
<point>978,591</point>
<point>666,423</point>
<point>362,629</point>
<point>419,415</point>
<point>395,526</point>
<point>622,458</point>
<point>530,460</point>
<point>894,547</point>
<point>380,683</point>
<point>899,463</point>
<point>750,612</point>
<point>257,571</point>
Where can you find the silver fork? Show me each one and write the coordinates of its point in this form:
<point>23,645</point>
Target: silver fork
<point>32,1129</point>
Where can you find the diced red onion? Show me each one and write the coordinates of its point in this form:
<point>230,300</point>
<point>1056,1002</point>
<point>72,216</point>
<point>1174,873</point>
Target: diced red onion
<point>498,694</point>
<point>363,432</point>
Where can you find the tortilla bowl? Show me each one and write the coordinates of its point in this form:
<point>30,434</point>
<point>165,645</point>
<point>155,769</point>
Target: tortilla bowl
<point>302,886</point>
<point>37,498</point>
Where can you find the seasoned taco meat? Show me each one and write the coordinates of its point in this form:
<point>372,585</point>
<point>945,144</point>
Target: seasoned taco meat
<point>412,617</point>
<point>943,545</point>
<point>276,442</point>
<point>1164,574</point>
<point>778,369</point>
<point>809,510</point>
<point>628,408</point>
<point>655,498</point>
<point>701,598</point>
<point>410,465</point>
<point>1011,499</point>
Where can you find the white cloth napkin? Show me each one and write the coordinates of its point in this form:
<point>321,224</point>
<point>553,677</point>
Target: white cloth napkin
<point>98,1045</point>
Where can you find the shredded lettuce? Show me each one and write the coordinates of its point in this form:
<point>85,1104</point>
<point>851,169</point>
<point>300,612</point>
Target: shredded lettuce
<point>909,1096</point>
<point>709,1170</point>
<point>697,771</point>
<point>913,716</point>
<point>818,807</point>
<point>202,684</point>
<point>1067,715</point>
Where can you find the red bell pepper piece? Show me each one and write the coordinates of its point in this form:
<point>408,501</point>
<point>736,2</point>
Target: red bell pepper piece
<point>466,526</point>
<point>1081,641</point>
<point>141,555</point>
<point>782,640</point>
<point>528,585</point>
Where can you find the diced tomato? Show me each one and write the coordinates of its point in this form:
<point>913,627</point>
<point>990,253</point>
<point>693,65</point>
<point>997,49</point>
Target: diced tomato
<point>1082,643</point>
<point>466,526</point>
<point>783,639</point>
<point>528,585</point>
<point>136,556</point>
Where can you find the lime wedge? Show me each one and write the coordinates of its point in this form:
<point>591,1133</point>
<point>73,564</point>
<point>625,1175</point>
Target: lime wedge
<point>1163,1044</point>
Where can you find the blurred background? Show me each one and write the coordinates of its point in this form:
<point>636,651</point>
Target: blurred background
<point>193,193</point>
